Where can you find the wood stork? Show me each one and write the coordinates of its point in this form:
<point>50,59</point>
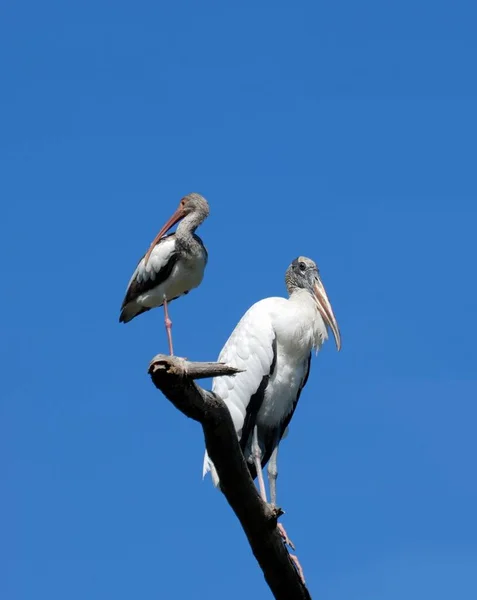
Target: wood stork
<point>173,265</point>
<point>272,344</point>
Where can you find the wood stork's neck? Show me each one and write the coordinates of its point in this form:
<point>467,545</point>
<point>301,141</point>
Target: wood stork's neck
<point>186,229</point>
<point>308,309</point>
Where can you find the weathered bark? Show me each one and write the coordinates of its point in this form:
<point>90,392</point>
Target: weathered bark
<point>175,378</point>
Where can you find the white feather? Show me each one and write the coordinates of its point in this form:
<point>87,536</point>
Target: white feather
<point>297,326</point>
<point>186,274</point>
<point>158,258</point>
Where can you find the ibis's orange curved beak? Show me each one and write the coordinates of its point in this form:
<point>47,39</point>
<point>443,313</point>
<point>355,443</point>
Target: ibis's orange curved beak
<point>176,217</point>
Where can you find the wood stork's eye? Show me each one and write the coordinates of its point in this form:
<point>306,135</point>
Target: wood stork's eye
<point>302,266</point>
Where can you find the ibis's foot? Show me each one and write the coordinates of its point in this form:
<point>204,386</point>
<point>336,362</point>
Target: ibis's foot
<point>285,537</point>
<point>298,567</point>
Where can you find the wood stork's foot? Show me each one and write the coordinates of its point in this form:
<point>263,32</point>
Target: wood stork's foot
<point>296,562</point>
<point>285,537</point>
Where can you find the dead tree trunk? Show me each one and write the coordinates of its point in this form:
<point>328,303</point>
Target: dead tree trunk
<point>175,378</point>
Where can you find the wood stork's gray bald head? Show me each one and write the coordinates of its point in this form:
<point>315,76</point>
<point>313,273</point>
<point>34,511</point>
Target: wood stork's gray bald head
<point>193,206</point>
<point>303,274</point>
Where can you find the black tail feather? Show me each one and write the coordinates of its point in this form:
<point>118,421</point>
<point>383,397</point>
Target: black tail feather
<point>130,311</point>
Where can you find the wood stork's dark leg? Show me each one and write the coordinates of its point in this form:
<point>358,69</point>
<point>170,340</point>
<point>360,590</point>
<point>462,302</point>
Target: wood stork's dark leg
<point>272,472</point>
<point>168,324</point>
<point>257,459</point>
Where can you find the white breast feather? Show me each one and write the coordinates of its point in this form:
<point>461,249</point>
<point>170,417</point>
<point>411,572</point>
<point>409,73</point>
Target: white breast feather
<point>186,274</point>
<point>298,327</point>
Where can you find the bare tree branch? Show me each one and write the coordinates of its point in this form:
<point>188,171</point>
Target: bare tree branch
<point>175,378</point>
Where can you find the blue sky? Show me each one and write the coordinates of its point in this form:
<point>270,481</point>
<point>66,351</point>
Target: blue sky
<point>341,131</point>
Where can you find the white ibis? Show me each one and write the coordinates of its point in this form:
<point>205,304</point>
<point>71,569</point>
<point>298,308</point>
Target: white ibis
<point>173,265</point>
<point>272,344</point>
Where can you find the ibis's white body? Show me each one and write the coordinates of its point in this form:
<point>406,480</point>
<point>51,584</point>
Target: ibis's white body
<point>274,338</point>
<point>176,272</point>
<point>187,273</point>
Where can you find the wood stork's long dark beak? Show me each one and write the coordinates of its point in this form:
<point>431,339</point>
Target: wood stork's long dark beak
<point>176,217</point>
<point>326,311</point>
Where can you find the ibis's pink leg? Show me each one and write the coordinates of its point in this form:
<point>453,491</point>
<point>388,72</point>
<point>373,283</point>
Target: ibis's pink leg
<point>168,324</point>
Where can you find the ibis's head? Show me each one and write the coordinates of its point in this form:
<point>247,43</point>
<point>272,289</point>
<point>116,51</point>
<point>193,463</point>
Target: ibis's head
<point>192,204</point>
<point>304,274</point>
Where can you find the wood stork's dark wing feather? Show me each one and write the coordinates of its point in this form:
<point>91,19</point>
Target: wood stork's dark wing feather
<point>256,401</point>
<point>272,437</point>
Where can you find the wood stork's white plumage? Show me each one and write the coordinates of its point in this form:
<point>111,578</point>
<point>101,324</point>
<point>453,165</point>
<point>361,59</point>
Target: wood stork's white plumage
<point>173,265</point>
<point>272,344</point>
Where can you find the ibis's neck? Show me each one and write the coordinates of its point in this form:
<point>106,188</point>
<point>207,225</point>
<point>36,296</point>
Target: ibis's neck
<point>186,229</point>
<point>308,309</point>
